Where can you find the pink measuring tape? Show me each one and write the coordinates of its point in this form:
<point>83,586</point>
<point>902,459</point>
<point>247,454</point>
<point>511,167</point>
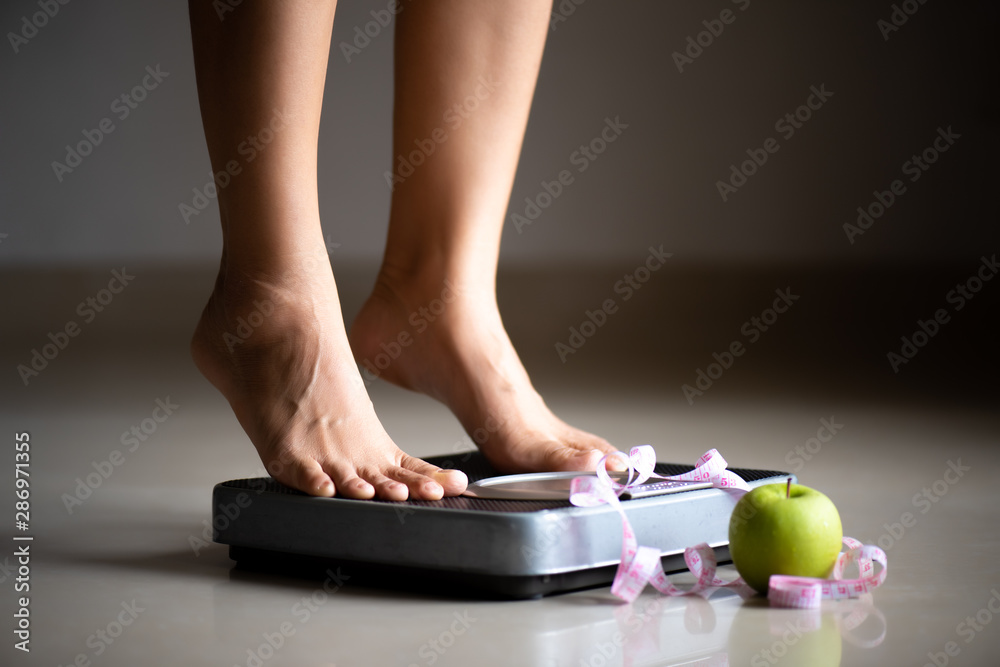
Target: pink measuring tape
<point>640,565</point>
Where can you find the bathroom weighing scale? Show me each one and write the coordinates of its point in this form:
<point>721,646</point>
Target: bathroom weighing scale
<point>512,536</point>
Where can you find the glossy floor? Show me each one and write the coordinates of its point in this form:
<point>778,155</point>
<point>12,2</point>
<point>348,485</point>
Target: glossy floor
<point>122,576</point>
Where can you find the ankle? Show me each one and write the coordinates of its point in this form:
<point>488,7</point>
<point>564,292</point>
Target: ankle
<point>243,275</point>
<point>416,286</point>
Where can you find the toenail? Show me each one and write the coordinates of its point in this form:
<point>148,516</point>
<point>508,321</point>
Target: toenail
<point>452,479</point>
<point>616,461</point>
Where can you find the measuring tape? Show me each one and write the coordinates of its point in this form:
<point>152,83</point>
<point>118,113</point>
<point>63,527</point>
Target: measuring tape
<point>641,565</point>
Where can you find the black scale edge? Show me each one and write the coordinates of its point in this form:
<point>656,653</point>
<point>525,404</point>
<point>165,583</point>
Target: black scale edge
<point>475,465</point>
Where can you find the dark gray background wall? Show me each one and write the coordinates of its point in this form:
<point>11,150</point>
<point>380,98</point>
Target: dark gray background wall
<point>656,184</point>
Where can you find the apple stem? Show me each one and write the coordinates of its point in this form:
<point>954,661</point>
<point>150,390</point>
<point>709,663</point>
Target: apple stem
<point>788,489</point>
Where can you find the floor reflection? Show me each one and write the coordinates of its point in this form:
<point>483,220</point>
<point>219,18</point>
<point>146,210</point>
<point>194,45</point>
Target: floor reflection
<point>722,628</point>
<point>761,635</point>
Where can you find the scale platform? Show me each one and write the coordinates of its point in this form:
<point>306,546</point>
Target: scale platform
<point>462,545</point>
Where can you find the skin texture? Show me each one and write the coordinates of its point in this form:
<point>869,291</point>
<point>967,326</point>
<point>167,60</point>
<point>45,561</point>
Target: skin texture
<point>292,378</point>
<point>771,534</point>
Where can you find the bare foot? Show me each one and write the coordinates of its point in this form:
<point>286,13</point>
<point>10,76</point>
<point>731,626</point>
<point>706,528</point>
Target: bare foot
<point>447,341</point>
<point>277,350</point>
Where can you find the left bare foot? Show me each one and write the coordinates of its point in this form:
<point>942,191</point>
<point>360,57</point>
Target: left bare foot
<point>447,340</point>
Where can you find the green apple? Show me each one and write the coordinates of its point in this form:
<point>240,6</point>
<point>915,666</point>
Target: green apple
<point>784,529</point>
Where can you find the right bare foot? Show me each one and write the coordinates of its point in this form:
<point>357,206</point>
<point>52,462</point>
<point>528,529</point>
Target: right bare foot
<point>276,348</point>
